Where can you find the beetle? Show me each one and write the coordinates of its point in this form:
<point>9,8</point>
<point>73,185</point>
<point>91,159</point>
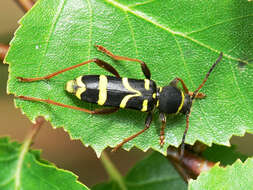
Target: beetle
<point>121,92</point>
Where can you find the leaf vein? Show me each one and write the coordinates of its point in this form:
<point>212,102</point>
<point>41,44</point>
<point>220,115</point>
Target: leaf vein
<point>8,181</point>
<point>190,78</point>
<point>132,33</point>
<point>142,3</point>
<point>218,23</point>
<point>51,30</point>
<point>239,89</point>
<point>156,23</point>
<point>90,33</point>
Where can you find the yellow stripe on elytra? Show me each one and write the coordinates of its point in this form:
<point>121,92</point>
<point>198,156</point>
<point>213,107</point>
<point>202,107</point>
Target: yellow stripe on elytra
<point>102,86</point>
<point>146,84</point>
<point>126,98</point>
<point>181,104</point>
<point>154,95</point>
<point>80,91</point>
<point>144,105</point>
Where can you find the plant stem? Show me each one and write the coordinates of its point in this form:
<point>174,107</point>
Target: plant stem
<point>26,5</point>
<point>112,171</point>
<point>3,50</point>
<point>25,147</point>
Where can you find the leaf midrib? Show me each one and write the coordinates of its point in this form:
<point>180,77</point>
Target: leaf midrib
<point>23,150</point>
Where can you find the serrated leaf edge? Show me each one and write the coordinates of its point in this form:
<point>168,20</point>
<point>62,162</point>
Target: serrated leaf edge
<point>217,166</point>
<point>24,148</point>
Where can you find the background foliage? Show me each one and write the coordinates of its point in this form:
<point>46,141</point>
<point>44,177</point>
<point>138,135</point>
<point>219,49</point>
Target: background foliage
<point>175,39</point>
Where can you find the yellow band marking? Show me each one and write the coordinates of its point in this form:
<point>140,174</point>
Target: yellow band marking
<point>157,103</point>
<point>144,105</point>
<point>102,86</point>
<point>79,82</point>
<point>80,91</point>
<point>126,98</point>
<point>160,89</point>
<point>154,95</point>
<point>81,87</point>
<point>182,103</point>
<point>146,84</point>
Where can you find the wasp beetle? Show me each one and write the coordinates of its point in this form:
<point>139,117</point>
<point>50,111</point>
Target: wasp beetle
<point>143,95</point>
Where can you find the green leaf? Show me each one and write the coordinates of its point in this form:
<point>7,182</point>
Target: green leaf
<point>21,168</point>
<point>153,172</point>
<point>222,154</point>
<point>238,176</point>
<point>175,38</point>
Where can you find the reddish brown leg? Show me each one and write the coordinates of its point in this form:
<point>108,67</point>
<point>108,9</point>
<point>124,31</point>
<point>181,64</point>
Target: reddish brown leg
<point>175,83</point>
<point>99,62</point>
<point>144,67</point>
<point>96,111</point>
<point>147,125</point>
<point>200,95</point>
<point>163,119</point>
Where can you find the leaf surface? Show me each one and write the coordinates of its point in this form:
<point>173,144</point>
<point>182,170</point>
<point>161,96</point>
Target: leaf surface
<point>156,172</point>
<point>238,176</point>
<point>175,39</point>
<point>153,172</point>
<point>24,169</point>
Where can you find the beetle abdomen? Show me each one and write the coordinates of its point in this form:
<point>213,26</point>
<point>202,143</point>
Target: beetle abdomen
<point>117,92</point>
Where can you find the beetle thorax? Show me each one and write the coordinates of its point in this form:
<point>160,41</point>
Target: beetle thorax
<point>172,100</point>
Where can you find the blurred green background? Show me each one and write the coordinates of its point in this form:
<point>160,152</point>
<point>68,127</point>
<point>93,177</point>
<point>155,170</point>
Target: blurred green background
<point>55,143</point>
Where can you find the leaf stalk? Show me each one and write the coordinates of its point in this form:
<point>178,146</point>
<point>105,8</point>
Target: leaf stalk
<point>26,5</point>
<point>24,149</point>
<point>112,171</point>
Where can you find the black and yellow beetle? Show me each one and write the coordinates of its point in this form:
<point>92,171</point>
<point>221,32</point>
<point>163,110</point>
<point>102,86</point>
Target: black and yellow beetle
<point>117,92</point>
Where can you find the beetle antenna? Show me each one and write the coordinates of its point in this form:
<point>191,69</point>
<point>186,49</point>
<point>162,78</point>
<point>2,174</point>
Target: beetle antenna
<point>207,75</point>
<point>184,135</point>
<point>192,98</point>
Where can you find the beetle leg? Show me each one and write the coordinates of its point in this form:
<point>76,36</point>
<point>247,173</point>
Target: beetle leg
<point>147,125</point>
<point>106,66</point>
<point>163,119</point>
<point>175,83</point>
<point>200,95</point>
<point>144,67</point>
<point>105,110</point>
<point>99,62</point>
<point>48,101</point>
